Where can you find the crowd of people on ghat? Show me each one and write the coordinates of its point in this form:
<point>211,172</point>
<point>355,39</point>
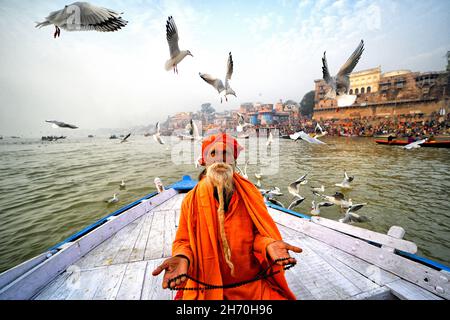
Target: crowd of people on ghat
<point>417,126</point>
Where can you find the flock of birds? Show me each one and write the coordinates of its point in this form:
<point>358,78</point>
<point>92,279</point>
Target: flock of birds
<point>81,16</point>
<point>347,207</point>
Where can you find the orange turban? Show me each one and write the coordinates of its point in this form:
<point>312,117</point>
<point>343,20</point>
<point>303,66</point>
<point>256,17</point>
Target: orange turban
<point>224,145</point>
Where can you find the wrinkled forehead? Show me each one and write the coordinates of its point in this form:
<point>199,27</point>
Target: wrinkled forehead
<point>219,152</point>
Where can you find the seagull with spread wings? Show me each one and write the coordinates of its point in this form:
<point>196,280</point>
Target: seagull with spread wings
<point>242,125</point>
<point>83,16</point>
<point>176,56</point>
<point>315,209</point>
<point>126,138</point>
<point>218,84</point>
<point>294,189</point>
<point>340,84</point>
<point>415,144</point>
<point>345,184</point>
<point>157,135</point>
<point>351,216</point>
<point>60,124</point>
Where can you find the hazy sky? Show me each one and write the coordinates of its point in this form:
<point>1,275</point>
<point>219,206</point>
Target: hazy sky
<point>105,80</point>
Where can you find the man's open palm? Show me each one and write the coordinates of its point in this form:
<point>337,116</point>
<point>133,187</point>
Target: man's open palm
<point>174,267</point>
<point>280,250</point>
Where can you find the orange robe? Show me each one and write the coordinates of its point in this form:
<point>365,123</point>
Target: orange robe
<point>249,229</point>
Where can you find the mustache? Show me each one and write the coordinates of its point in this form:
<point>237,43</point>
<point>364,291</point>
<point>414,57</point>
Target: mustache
<point>221,174</point>
<point>220,165</point>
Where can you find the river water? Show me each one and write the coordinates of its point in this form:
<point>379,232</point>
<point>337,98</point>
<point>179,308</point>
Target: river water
<point>50,190</point>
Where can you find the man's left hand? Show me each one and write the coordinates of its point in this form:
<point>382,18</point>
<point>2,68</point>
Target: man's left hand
<point>280,250</point>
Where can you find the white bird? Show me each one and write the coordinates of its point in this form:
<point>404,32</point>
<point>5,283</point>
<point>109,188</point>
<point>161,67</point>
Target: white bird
<point>114,199</point>
<point>258,178</point>
<point>318,189</point>
<point>310,139</point>
<point>351,216</point>
<point>295,136</point>
<point>60,124</point>
<point>270,139</point>
<point>269,198</point>
<point>193,132</point>
<point>198,162</point>
<point>157,135</point>
<point>176,56</point>
<point>83,16</point>
<point>159,185</point>
<point>275,191</point>
<point>321,134</point>
<point>345,184</point>
<point>122,185</point>
<point>338,199</point>
<point>415,144</point>
<point>294,187</point>
<point>340,84</point>
<point>297,200</point>
<point>218,84</point>
<point>242,125</point>
<point>244,173</point>
<point>125,139</point>
<point>315,209</point>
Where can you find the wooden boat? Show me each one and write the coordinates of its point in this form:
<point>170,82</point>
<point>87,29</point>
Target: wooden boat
<point>113,258</point>
<point>433,144</point>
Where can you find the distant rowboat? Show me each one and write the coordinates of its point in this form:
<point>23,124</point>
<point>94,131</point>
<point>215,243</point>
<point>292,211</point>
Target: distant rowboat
<point>433,144</point>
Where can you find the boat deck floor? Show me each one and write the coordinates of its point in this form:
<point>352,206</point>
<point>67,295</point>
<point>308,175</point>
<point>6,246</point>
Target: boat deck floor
<point>120,268</point>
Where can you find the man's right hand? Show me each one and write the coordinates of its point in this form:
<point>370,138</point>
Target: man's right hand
<point>174,267</point>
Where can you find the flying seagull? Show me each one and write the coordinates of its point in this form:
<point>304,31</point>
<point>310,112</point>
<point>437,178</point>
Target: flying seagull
<point>242,124</point>
<point>351,216</point>
<point>345,184</point>
<point>218,83</point>
<point>415,144</point>
<point>321,134</point>
<point>294,189</point>
<point>125,139</point>
<point>315,210</point>
<point>297,200</point>
<point>244,173</point>
<point>176,56</point>
<point>310,139</point>
<point>157,135</point>
<point>338,199</point>
<point>258,178</point>
<point>340,84</point>
<point>122,185</point>
<point>83,16</point>
<point>193,131</point>
<point>269,198</point>
<point>295,136</point>
<point>60,124</point>
<point>275,191</point>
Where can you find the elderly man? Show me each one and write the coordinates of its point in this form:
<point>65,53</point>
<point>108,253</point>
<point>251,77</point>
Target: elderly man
<point>226,235</point>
